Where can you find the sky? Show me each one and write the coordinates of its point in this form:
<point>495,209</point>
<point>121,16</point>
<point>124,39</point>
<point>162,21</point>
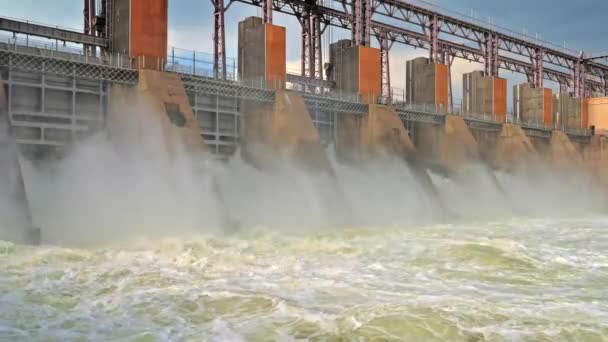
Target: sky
<point>576,24</point>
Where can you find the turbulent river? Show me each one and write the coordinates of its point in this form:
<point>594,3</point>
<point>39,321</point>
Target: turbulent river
<point>513,280</point>
<point>141,248</point>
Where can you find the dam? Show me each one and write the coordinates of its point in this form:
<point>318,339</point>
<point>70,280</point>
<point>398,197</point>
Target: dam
<point>147,196</point>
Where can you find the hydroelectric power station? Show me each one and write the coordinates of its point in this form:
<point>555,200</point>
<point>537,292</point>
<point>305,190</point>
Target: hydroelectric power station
<point>124,81</point>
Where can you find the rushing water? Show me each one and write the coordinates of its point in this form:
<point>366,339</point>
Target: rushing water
<point>514,280</point>
<point>368,254</point>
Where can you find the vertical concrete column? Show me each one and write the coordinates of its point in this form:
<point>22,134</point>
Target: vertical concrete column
<point>572,111</point>
<point>427,84</point>
<point>533,105</point>
<point>513,149</point>
<point>262,53</point>
<point>139,30</point>
<point>358,72</point>
<point>597,110</point>
<point>281,131</point>
<point>485,95</point>
<point>378,133</point>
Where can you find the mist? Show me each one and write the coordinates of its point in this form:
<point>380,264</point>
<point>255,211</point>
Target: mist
<point>108,192</point>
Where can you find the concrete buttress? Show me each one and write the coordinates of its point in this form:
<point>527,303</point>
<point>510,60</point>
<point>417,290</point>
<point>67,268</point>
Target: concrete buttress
<point>379,133</point>
<point>513,149</point>
<point>15,212</point>
<point>562,153</point>
<point>157,104</point>
<point>450,146</point>
<point>282,129</point>
<point>596,159</point>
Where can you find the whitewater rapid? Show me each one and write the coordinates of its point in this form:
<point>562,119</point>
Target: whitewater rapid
<point>513,280</point>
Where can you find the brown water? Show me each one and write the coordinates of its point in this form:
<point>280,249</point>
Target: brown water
<point>513,280</point>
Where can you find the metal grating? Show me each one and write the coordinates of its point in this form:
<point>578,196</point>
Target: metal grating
<point>219,120</point>
<point>206,85</point>
<point>419,116</point>
<point>59,66</point>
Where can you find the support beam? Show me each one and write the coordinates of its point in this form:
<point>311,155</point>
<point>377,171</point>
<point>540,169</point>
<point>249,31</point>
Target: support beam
<point>266,11</point>
<point>489,48</point>
<point>361,22</point>
<point>537,68</point>
<point>578,79</point>
<point>433,36</point>
<point>311,49</point>
<point>385,89</point>
<point>219,39</point>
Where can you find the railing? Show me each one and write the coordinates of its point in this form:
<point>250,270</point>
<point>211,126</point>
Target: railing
<point>53,49</point>
<point>200,67</point>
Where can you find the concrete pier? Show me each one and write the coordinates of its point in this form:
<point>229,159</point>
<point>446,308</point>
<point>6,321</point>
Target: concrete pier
<point>562,153</point>
<point>513,149</point>
<point>427,84</point>
<point>569,113</point>
<point>379,133</point>
<point>262,53</point>
<point>282,129</point>
<point>140,31</point>
<point>597,109</point>
<point>358,72</point>
<point>484,95</point>
<point>533,105</point>
<point>450,147</point>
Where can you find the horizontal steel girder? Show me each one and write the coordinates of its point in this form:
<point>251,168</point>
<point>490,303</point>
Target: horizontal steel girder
<point>61,34</point>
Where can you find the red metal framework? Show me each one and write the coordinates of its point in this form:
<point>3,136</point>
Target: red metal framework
<point>219,39</point>
<point>456,37</point>
<point>361,21</point>
<point>489,49</point>
<point>266,11</point>
<point>89,17</point>
<point>311,49</point>
<point>385,47</point>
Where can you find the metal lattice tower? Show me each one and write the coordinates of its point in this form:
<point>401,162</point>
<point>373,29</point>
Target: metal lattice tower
<point>489,48</point>
<point>385,47</point>
<point>311,49</point>
<point>433,36</point>
<point>537,68</point>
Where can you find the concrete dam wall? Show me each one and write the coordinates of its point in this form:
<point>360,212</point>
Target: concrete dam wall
<point>162,136</point>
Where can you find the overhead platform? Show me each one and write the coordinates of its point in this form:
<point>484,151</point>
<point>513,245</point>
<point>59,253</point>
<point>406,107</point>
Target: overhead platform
<point>50,32</point>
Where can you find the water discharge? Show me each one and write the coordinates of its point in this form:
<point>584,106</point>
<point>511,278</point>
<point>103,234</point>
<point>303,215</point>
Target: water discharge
<point>142,246</point>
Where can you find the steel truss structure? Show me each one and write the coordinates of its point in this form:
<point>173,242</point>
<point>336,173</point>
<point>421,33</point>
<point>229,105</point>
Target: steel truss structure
<point>444,35</point>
